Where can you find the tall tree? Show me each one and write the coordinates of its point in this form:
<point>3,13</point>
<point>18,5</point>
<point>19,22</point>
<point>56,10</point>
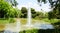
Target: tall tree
<point>24,12</point>
<point>4,8</point>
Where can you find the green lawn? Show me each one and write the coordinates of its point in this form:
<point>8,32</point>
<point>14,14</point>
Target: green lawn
<point>5,21</point>
<point>50,21</point>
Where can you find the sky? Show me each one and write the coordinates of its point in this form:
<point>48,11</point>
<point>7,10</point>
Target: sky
<point>33,4</point>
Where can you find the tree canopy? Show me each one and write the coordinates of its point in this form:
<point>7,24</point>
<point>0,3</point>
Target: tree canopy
<point>24,12</point>
<point>7,11</point>
<point>12,2</point>
<point>55,5</point>
<point>4,8</point>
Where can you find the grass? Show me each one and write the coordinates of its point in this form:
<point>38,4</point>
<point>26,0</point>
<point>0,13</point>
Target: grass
<point>5,21</point>
<point>50,21</point>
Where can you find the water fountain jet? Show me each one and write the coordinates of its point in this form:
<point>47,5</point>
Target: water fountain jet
<point>29,17</point>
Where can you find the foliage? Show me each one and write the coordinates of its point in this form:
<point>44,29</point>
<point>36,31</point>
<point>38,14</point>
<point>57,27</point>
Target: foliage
<point>12,2</point>
<point>41,31</point>
<point>7,11</point>
<point>55,5</point>
<point>24,12</point>
<point>5,21</point>
<point>30,31</point>
<point>53,13</point>
<point>4,8</point>
<point>51,20</point>
<point>50,15</point>
<point>12,20</point>
<point>33,12</point>
<point>57,24</point>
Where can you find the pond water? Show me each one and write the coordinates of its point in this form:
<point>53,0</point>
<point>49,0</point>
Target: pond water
<point>44,26</point>
<point>37,25</point>
<point>8,31</point>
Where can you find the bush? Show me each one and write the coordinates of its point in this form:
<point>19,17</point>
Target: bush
<point>41,31</point>
<point>12,20</point>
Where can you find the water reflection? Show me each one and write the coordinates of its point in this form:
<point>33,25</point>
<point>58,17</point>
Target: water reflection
<point>8,31</point>
<point>44,26</point>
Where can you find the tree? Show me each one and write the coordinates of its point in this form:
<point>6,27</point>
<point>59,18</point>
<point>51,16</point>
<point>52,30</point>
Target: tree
<point>33,12</point>
<point>12,2</point>
<point>7,11</point>
<point>24,12</point>
<point>50,15</point>
<point>46,15</point>
<point>39,15</point>
<point>55,4</point>
<point>4,8</point>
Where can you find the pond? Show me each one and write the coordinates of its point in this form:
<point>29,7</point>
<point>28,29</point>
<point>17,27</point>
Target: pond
<point>36,25</point>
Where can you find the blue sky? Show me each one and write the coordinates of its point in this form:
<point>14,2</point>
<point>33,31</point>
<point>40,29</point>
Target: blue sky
<point>33,4</point>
